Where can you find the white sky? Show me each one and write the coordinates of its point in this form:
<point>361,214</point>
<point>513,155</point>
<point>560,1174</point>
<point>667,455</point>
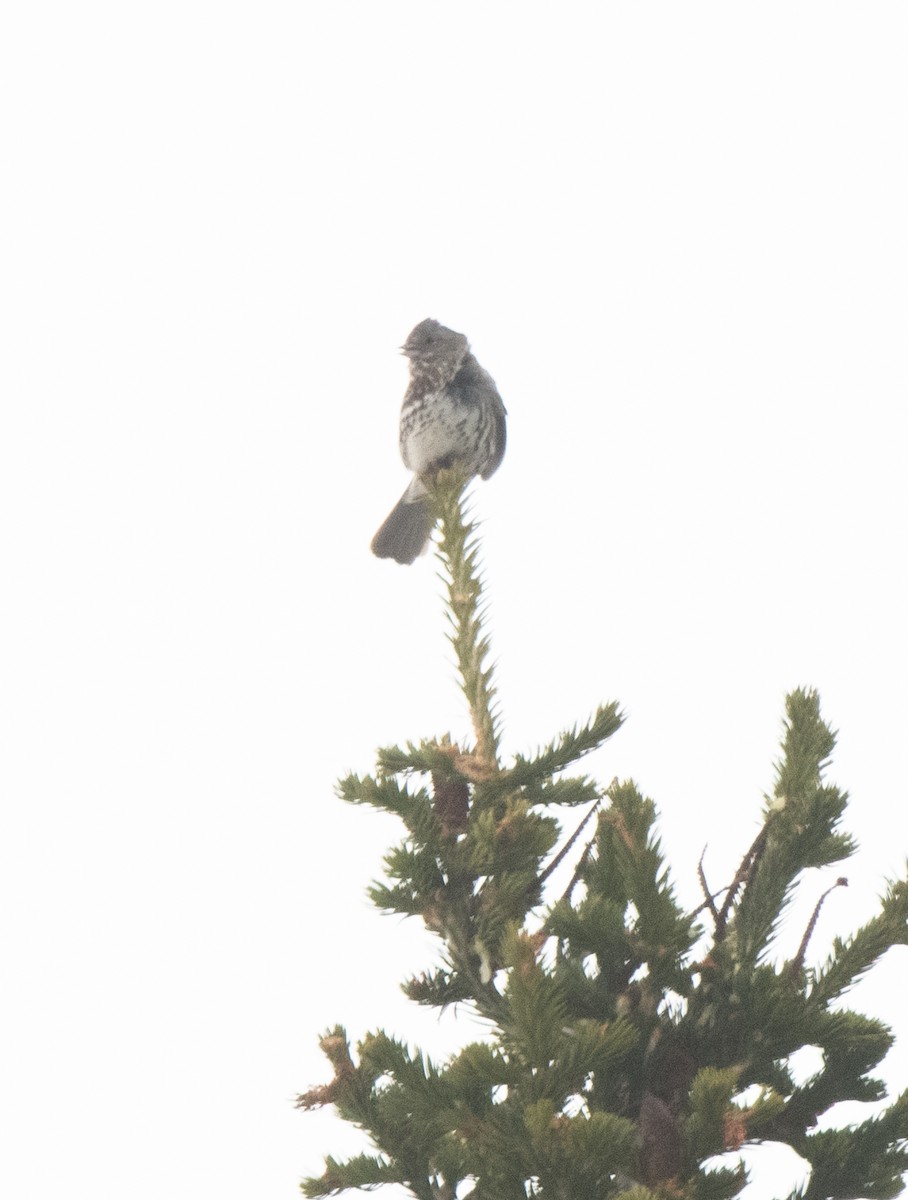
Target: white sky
<point>676,237</point>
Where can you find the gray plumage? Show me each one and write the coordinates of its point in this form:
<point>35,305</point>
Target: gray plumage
<point>451,413</point>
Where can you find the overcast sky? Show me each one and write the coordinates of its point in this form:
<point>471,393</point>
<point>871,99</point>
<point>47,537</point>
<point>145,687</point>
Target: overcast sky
<point>676,237</point>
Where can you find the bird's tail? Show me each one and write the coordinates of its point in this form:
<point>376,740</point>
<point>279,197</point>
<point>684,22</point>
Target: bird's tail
<point>405,533</point>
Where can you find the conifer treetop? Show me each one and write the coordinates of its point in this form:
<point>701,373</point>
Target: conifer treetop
<point>633,1048</point>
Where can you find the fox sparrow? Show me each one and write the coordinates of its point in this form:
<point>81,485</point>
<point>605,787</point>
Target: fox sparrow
<point>451,414</point>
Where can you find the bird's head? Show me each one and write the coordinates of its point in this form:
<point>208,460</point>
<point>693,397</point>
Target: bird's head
<point>431,344</point>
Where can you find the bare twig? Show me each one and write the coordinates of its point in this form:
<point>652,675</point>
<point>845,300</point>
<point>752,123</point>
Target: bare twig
<point>559,857</point>
<point>797,963</point>
<point>744,875</point>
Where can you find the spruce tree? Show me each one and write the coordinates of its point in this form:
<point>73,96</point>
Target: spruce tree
<point>630,1042</point>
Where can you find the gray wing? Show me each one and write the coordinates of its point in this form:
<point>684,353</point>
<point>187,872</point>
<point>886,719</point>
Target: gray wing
<point>499,412</point>
<point>474,385</point>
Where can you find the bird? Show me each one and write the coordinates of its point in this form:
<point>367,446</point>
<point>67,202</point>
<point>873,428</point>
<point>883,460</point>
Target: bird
<point>451,415</point>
